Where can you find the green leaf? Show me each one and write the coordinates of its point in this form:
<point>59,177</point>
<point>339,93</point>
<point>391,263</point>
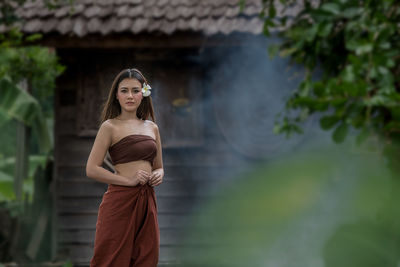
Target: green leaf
<point>327,122</point>
<point>242,4</point>
<point>373,72</point>
<point>272,10</point>
<point>358,120</point>
<point>395,112</point>
<point>319,89</point>
<point>17,103</point>
<point>287,52</point>
<point>304,88</point>
<point>34,37</point>
<point>324,29</point>
<point>392,126</point>
<point>6,187</point>
<point>331,8</point>
<point>364,48</point>
<point>270,23</point>
<point>349,73</point>
<point>304,114</point>
<point>377,100</point>
<point>4,177</point>
<point>273,50</point>
<point>277,128</point>
<point>4,118</point>
<point>20,105</point>
<point>68,264</point>
<point>362,136</point>
<point>310,34</point>
<point>359,46</point>
<point>390,63</point>
<point>338,102</point>
<point>383,70</point>
<point>385,45</point>
<point>352,26</point>
<point>340,133</point>
<point>266,28</point>
<point>351,12</point>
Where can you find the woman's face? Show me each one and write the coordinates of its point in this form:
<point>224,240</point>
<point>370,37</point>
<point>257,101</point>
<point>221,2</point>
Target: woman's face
<point>129,93</point>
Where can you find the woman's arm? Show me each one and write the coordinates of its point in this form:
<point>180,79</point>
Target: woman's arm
<point>94,163</point>
<point>157,173</point>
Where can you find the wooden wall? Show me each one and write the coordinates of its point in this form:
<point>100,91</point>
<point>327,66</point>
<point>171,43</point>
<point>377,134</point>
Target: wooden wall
<point>192,147</point>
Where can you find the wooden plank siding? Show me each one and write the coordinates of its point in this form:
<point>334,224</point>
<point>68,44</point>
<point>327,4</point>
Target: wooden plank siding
<point>77,197</point>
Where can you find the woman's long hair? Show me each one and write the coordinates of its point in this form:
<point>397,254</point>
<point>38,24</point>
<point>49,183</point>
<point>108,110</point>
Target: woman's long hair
<point>112,108</point>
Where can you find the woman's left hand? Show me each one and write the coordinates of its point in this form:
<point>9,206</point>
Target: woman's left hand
<point>156,177</point>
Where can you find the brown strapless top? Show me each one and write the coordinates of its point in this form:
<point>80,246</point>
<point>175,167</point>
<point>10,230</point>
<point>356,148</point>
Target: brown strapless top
<point>133,147</point>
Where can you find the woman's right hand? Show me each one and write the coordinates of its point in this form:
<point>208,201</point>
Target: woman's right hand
<point>140,177</point>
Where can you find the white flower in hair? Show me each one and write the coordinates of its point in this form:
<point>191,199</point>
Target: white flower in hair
<point>146,89</point>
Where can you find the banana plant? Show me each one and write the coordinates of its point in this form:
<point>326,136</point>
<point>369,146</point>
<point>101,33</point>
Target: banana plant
<point>39,67</point>
<point>16,103</point>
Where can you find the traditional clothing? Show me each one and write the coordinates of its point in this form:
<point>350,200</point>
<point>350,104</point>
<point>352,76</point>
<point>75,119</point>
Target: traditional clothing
<point>127,232</point>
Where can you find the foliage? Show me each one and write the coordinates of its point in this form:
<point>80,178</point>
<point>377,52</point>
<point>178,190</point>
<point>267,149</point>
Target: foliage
<point>320,211</point>
<point>68,263</point>
<point>6,176</point>
<point>20,61</point>
<point>356,47</point>
<point>351,53</point>
<point>39,66</point>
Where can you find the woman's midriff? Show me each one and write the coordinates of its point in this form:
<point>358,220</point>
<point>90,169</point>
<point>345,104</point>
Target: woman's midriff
<point>129,169</point>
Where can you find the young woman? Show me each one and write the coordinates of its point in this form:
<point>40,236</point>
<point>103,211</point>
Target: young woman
<point>127,232</point>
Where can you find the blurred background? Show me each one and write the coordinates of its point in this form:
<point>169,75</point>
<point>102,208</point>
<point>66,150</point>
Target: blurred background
<point>279,121</point>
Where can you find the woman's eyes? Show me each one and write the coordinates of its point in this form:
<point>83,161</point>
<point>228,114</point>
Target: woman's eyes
<point>124,90</point>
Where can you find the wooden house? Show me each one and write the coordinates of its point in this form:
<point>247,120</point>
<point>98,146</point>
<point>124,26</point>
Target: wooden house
<point>174,43</point>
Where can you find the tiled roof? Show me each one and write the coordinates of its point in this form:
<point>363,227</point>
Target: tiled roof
<point>139,16</point>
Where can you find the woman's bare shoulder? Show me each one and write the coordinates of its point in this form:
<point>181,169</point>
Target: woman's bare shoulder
<point>152,123</point>
<point>110,122</point>
<point>107,126</point>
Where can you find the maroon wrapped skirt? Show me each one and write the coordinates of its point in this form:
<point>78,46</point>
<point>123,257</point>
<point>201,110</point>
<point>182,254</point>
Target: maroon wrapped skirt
<point>127,233</point>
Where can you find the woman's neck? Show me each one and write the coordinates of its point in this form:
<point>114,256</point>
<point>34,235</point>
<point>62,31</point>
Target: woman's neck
<point>124,116</point>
